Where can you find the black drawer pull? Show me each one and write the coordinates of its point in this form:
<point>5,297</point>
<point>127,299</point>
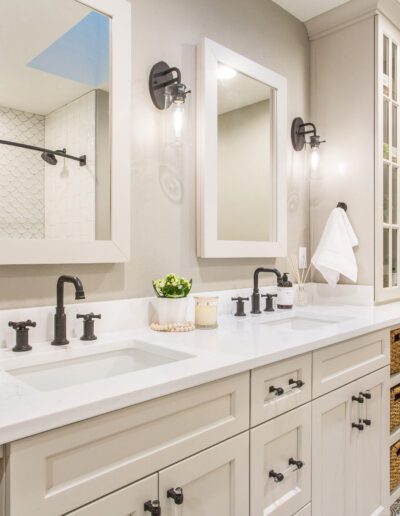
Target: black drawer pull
<point>367,422</point>
<point>176,494</point>
<point>153,507</point>
<point>359,426</point>
<point>296,383</point>
<point>298,463</point>
<point>366,395</point>
<point>278,477</point>
<point>277,390</point>
<point>358,399</point>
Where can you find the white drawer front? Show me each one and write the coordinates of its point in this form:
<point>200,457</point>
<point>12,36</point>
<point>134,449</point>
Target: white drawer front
<point>272,445</point>
<point>267,403</point>
<point>342,363</point>
<point>57,471</point>
<point>127,501</point>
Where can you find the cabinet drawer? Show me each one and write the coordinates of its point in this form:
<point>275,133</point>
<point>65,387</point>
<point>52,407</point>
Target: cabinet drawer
<point>129,500</point>
<point>57,471</point>
<point>267,384</point>
<point>342,363</point>
<point>272,445</point>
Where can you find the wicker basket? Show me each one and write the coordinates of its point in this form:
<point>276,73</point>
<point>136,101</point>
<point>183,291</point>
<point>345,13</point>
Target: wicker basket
<point>394,408</point>
<point>395,351</point>
<point>394,466</point>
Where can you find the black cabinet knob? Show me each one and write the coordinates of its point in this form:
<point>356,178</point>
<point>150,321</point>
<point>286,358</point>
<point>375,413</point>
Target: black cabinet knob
<point>296,383</point>
<point>367,422</point>
<point>366,395</point>
<point>358,399</point>
<point>277,390</point>
<point>176,494</point>
<point>153,507</point>
<point>278,477</point>
<point>298,463</point>
<point>359,426</point>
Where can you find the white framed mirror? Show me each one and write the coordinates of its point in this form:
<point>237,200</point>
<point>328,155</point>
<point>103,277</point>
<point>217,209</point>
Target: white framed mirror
<point>241,155</point>
<point>64,131</point>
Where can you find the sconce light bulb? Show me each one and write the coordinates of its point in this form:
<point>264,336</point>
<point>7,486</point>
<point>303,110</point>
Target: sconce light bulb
<point>178,120</point>
<point>314,158</point>
<point>225,72</point>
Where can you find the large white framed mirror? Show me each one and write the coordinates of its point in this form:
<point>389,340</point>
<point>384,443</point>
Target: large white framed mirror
<point>64,131</point>
<point>241,155</point>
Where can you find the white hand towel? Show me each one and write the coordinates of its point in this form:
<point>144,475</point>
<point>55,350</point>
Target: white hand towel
<point>334,255</point>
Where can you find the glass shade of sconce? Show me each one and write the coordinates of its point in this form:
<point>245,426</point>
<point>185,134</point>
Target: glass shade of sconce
<point>300,130</point>
<point>175,100</point>
<point>225,72</point>
<point>169,93</point>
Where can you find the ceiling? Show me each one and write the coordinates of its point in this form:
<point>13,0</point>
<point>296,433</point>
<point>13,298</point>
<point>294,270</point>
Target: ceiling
<point>29,79</point>
<point>304,10</point>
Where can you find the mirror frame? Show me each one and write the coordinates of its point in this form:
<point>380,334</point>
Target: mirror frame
<point>117,249</point>
<point>210,54</point>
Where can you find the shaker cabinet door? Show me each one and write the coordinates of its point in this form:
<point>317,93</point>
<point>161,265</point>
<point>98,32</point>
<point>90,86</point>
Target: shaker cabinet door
<point>214,482</point>
<point>280,485</point>
<point>372,453</point>
<point>127,501</point>
<point>350,466</point>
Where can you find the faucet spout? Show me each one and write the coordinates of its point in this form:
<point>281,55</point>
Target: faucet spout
<point>255,298</point>
<point>60,320</point>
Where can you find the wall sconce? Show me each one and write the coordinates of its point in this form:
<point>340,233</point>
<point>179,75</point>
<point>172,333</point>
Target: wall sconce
<point>167,91</point>
<point>299,132</point>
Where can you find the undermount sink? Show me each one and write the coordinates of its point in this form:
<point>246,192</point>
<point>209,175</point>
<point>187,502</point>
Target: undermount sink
<point>304,322</point>
<point>67,372</point>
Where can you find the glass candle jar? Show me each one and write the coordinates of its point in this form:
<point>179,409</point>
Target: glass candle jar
<point>206,312</point>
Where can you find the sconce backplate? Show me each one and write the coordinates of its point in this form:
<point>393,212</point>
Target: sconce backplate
<point>159,75</point>
<point>298,140</point>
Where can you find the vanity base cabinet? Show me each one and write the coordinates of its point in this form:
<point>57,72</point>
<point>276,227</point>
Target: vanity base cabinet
<point>60,470</point>
<point>129,500</point>
<point>350,453</point>
<point>213,482</point>
<point>272,445</point>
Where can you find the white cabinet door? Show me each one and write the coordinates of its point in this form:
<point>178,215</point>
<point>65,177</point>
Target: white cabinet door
<point>127,501</point>
<point>372,453</point>
<point>214,482</point>
<point>350,465</point>
<point>272,445</point>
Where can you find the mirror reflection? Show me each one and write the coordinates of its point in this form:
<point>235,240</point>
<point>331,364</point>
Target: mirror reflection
<point>246,174</point>
<point>55,175</point>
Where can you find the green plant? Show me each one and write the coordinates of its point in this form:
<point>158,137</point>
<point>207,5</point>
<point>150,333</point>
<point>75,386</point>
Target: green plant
<point>172,286</point>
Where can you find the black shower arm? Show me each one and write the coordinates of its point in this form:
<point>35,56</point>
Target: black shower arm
<point>81,159</point>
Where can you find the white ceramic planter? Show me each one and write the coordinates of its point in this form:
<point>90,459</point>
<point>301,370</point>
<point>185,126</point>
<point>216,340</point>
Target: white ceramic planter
<point>170,310</point>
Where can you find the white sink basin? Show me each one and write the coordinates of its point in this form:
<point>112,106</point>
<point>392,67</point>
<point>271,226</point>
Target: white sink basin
<point>305,322</point>
<point>66,372</point>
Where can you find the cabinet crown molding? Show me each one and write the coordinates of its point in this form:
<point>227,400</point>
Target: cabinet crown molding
<point>350,13</point>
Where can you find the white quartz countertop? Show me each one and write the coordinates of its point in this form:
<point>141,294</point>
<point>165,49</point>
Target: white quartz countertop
<point>239,344</point>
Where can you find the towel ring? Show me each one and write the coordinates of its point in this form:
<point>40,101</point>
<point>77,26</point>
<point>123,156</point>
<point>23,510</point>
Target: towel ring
<point>342,205</point>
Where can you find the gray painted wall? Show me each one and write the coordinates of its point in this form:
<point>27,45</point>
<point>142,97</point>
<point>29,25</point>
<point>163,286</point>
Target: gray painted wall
<point>342,82</point>
<point>163,182</point>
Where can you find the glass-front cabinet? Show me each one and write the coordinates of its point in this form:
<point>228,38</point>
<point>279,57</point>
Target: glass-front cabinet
<point>387,230</point>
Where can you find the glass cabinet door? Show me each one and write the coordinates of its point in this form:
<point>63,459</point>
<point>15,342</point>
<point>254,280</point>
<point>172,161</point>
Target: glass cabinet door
<point>387,285</point>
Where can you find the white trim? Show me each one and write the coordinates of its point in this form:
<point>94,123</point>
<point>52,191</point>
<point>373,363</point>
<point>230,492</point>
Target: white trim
<point>208,245</point>
<point>117,249</point>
